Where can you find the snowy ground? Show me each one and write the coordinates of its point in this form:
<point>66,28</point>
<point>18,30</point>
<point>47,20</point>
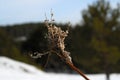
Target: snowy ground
<point>14,70</point>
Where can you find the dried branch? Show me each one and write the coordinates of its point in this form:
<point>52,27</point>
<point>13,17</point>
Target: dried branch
<point>56,37</point>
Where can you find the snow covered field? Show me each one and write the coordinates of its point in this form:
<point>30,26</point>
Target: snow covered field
<point>14,70</point>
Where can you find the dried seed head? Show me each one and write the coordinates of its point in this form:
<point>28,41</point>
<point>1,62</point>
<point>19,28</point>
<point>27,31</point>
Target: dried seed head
<point>56,37</point>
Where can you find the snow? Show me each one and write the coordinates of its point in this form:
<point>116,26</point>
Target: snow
<point>15,70</point>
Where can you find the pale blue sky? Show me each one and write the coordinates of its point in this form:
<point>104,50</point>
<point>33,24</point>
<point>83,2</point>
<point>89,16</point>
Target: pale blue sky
<point>25,11</point>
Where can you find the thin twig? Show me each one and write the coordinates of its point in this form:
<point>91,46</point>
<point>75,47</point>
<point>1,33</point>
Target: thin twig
<point>56,37</point>
<point>77,70</point>
<point>74,68</point>
<point>47,60</point>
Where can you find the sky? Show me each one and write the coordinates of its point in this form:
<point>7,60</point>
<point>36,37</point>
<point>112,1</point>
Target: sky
<point>26,11</point>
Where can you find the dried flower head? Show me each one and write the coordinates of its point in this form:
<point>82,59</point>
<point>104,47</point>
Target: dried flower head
<point>56,37</point>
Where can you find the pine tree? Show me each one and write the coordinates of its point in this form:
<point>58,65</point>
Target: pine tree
<point>101,19</point>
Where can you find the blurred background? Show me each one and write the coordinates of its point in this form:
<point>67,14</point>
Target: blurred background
<point>93,40</point>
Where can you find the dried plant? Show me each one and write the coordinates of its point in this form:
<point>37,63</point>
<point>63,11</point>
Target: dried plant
<point>56,37</point>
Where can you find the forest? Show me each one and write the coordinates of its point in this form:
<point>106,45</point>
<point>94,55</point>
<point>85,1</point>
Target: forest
<point>93,43</point>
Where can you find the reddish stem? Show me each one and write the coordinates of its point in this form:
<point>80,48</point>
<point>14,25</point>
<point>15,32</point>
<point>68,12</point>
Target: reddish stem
<point>77,70</point>
<point>72,66</point>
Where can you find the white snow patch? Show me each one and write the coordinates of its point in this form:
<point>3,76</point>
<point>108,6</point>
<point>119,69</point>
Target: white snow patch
<point>15,70</point>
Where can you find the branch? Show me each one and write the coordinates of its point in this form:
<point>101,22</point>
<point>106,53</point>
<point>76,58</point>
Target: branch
<point>73,67</point>
<point>77,70</point>
<point>56,37</point>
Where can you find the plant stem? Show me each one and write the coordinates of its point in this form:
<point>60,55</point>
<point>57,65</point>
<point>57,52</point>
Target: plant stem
<point>72,66</point>
<point>77,70</point>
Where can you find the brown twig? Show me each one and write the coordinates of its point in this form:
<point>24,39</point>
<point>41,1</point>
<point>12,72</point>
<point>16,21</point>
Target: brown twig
<point>77,70</point>
<point>74,68</point>
<point>56,37</point>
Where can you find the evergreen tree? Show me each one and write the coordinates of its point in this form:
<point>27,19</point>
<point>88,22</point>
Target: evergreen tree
<point>101,19</point>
